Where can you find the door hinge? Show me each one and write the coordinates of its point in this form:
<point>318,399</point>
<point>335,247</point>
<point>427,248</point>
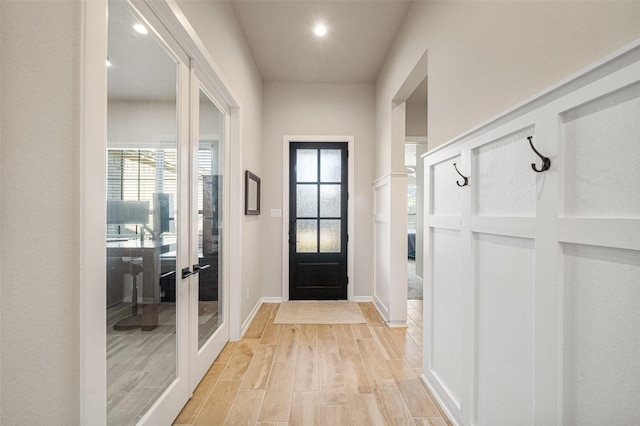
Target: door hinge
<point>347,280</point>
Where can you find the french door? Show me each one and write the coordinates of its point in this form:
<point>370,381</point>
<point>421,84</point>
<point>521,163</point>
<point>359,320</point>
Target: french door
<point>208,283</point>
<point>318,194</point>
<point>167,314</point>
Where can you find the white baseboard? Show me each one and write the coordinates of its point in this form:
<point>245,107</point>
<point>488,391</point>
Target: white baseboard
<point>254,311</point>
<point>396,324</point>
<point>252,315</point>
<point>455,420</point>
<point>383,311</point>
<point>362,298</point>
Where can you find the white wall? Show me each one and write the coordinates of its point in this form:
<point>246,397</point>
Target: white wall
<point>318,109</point>
<point>218,28</point>
<point>416,119</point>
<point>40,327</point>
<point>485,57</point>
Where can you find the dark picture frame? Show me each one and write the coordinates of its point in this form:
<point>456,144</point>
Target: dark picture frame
<point>251,194</point>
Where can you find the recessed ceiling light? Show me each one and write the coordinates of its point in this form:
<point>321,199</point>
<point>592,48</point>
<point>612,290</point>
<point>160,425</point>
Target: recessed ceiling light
<point>320,30</point>
<point>140,28</point>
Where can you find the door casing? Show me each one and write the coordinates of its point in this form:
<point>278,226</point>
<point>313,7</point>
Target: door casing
<point>286,140</point>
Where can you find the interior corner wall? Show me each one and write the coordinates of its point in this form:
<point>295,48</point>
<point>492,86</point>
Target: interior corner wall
<point>318,109</point>
<point>416,119</point>
<point>39,223</point>
<point>486,57</point>
<point>217,26</point>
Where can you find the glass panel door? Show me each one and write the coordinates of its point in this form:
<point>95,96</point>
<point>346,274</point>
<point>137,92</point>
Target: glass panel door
<point>167,197</point>
<point>143,181</point>
<point>208,301</point>
<point>318,221</point>
<point>210,218</point>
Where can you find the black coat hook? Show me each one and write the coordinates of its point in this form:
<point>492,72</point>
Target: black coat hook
<point>466,179</point>
<point>546,162</point>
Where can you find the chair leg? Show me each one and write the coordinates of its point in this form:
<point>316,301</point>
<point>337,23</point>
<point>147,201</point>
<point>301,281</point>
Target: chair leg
<point>134,320</point>
<point>134,296</point>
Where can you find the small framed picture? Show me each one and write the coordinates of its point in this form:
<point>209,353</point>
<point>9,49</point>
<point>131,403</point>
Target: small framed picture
<point>251,194</point>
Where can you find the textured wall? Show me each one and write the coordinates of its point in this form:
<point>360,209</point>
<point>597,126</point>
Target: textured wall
<point>39,223</point>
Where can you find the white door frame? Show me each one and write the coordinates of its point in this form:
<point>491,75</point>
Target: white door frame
<point>92,215</point>
<point>349,140</point>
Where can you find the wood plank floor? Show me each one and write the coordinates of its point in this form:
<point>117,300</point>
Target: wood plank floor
<point>357,374</point>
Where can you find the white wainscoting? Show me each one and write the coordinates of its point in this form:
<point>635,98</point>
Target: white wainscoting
<point>390,248</point>
<point>532,280</point>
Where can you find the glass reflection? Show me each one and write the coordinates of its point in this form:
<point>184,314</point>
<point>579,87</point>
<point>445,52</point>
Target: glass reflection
<point>141,216</point>
<point>210,220</point>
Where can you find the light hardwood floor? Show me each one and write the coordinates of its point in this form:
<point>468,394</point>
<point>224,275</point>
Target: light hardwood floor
<point>358,374</point>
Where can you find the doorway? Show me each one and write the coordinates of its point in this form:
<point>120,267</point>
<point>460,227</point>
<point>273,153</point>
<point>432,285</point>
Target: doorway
<point>349,143</point>
<point>318,196</point>
<point>415,146</point>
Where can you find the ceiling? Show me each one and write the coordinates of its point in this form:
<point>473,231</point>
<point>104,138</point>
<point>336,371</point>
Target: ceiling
<point>281,39</point>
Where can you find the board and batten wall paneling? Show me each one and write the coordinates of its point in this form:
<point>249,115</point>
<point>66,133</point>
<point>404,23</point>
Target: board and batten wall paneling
<point>446,200</point>
<point>505,320</point>
<point>601,295</point>
<point>600,140</point>
<point>390,252</point>
<point>382,254</point>
<point>507,186</point>
<point>601,179</point>
<point>445,301</point>
<point>533,279</point>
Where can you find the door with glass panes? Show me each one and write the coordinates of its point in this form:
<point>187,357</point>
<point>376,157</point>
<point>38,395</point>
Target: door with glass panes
<point>209,314</point>
<point>167,305</point>
<point>318,221</point>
